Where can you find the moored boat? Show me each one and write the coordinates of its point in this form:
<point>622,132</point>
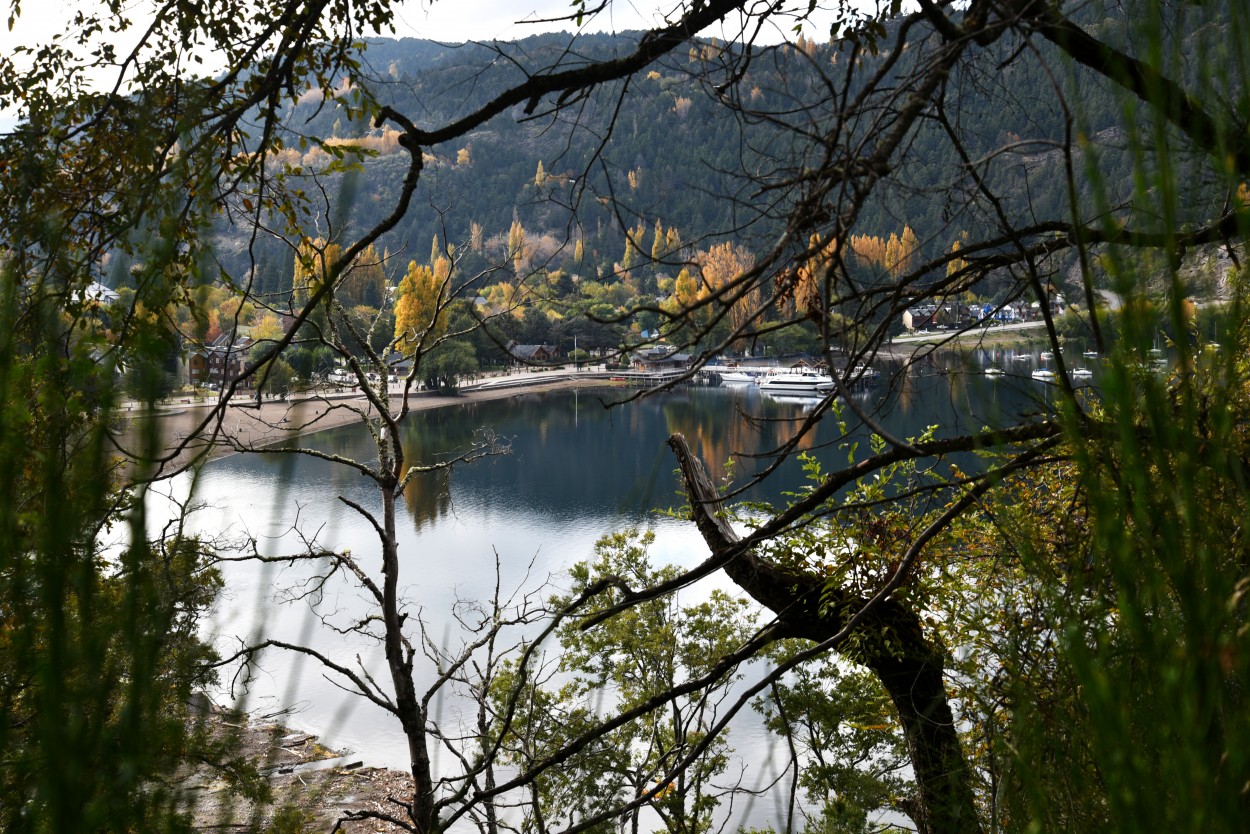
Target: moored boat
<point>863,374</point>
<point>796,383</point>
<point>1044,375</point>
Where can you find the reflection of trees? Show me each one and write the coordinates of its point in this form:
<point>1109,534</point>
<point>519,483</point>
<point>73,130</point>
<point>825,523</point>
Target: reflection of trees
<point>717,429</point>
<point>428,496</point>
<point>428,438</point>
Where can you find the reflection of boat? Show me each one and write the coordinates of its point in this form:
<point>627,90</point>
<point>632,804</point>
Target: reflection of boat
<point>805,403</point>
<point>993,370</point>
<point>1044,375</point>
<point>796,383</point>
<point>1081,373</point>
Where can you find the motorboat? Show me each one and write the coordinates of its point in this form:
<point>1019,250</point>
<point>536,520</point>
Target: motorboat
<point>796,383</point>
<point>993,370</point>
<point>1044,375</point>
<point>1080,373</point>
<point>1024,357</point>
<point>736,377</point>
<point>1090,354</point>
<point>1046,356</point>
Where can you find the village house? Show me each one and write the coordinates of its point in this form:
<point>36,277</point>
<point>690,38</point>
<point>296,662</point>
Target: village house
<point>531,354</point>
<point>220,362</point>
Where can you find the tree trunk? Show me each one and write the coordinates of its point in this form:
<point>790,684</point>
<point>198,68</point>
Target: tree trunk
<point>399,663</point>
<point>891,643</point>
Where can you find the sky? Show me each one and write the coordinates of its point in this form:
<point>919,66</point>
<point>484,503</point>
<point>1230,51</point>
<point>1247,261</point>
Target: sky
<point>444,20</point>
<point>450,21</point>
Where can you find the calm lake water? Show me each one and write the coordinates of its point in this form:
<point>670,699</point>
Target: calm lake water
<point>576,471</point>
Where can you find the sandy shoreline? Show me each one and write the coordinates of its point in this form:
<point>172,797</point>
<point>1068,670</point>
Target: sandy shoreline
<point>199,435</point>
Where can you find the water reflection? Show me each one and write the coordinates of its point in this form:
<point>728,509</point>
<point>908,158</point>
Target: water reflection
<point>577,469</point>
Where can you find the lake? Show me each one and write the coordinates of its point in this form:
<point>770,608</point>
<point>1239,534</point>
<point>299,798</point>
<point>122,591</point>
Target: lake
<point>576,471</point>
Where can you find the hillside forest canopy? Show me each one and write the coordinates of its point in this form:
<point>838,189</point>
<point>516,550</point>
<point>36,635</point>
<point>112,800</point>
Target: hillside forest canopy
<point>1051,639</point>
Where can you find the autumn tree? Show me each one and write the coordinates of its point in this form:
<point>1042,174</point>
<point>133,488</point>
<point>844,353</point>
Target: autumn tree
<point>633,246</point>
<point>313,259</point>
<point>901,252</point>
<point>721,268</point>
<point>365,283</point>
<point>420,304</point>
<point>517,248</point>
<point>672,241</point>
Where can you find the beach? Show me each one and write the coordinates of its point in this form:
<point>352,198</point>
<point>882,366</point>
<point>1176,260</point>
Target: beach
<point>192,432</point>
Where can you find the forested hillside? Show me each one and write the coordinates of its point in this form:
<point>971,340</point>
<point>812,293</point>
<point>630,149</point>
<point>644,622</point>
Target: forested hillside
<point>661,149</point>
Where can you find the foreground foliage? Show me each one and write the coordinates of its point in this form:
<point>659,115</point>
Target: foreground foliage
<point>1058,625</point>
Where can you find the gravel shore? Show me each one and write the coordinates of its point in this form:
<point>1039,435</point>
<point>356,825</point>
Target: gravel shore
<point>193,432</point>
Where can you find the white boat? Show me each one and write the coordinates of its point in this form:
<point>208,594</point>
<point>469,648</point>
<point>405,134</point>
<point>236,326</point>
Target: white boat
<point>736,377</point>
<point>993,370</point>
<point>863,374</point>
<point>1044,375</point>
<point>1081,373</point>
<point>1046,356</point>
<point>1024,357</point>
<point>796,383</point>
<point>1090,354</point>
